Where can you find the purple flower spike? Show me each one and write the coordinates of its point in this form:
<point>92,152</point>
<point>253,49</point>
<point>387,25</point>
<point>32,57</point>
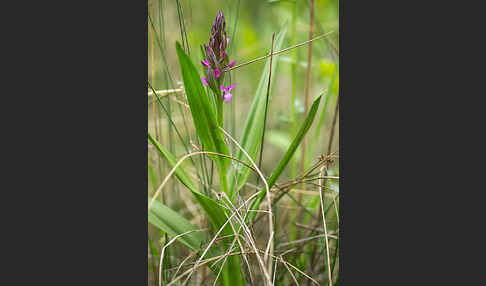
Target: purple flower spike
<point>205,62</point>
<point>204,81</point>
<point>216,61</point>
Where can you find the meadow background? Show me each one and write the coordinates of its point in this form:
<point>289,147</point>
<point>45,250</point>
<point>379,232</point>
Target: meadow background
<point>250,25</point>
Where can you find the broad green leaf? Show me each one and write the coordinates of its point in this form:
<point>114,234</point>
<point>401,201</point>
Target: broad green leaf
<point>253,128</point>
<point>203,115</point>
<point>173,224</point>
<point>290,152</point>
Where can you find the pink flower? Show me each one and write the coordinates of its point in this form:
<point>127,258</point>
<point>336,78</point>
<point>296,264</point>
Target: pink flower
<point>231,64</point>
<point>226,92</point>
<point>204,81</point>
<point>217,73</point>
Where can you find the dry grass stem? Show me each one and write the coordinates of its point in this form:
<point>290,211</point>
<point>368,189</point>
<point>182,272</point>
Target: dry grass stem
<point>279,52</point>
<point>166,92</point>
<point>325,228</point>
<point>270,218</point>
<point>167,245</point>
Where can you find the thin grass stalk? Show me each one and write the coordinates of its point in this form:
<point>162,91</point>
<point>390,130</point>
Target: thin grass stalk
<point>308,80</point>
<point>325,180</point>
<point>170,133</point>
<point>232,44</point>
<point>165,247</point>
<point>155,117</point>
<point>336,252</point>
<point>161,164</point>
<point>293,95</point>
<point>182,29</point>
<point>321,197</point>
<point>266,109</point>
<point>278,52</point>
<point>162,52</point>
<point>331,135</point>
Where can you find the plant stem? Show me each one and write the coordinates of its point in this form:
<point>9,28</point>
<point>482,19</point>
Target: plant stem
<point>293,119</point>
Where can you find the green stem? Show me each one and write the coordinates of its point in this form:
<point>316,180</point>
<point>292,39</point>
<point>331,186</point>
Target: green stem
<point>293,123</point>
<point>219,105</point>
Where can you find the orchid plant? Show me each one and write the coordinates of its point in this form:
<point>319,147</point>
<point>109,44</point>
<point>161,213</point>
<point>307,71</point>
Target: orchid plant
<point>207,115</point>
<point>217,64</point>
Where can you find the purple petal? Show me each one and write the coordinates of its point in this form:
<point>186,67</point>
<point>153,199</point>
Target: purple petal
<point>221,87</point>
<point>217,73</point>
<point>227,97</point>
<point>231,64</point>
<point>205,62</point>
<point>227,41</point>
<point>231,86</point>
<point>204,81</point>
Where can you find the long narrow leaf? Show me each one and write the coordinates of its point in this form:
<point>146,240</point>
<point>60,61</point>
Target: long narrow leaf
<point>203,114</point>
<point>173,224</point>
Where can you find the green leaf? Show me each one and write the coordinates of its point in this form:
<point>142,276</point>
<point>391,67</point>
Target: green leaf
<point>253,128</point>
<point>173,224</point>
<point>203,115</point>
<point>288,155</point>
<point>214,212</point>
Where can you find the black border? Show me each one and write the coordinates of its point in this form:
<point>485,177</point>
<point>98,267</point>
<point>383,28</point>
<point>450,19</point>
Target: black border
<point>76,146</point>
